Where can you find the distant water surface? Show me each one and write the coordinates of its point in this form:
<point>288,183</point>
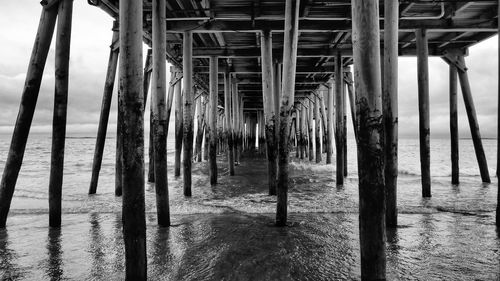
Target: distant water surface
<point>226,232</point>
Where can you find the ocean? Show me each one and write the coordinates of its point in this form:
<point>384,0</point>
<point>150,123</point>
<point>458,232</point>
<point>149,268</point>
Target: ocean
<point>226,232</point>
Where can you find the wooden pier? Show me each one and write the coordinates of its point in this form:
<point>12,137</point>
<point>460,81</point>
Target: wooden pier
<point>284,67</point>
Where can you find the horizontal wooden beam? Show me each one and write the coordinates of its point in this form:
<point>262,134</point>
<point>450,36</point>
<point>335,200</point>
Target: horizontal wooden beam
<point>236,25</point>
<point>228,52</point>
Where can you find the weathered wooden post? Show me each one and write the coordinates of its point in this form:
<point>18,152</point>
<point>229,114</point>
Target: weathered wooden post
<point>291,35</point>
<point>498,128</point>
<point>317,123</point>
<point>63,42</point>
<point>300,117</point>
<point>310,111</point>
<point>352,102</point>
<point>105,108</point>
<point>119,147</point>
<point>205,125</point>
<point>26,109</point>
<point>390,107</point>
<point>200,105</point>
<point>366,50</point>
<point>473,124</point>
<point>268,96</point>
<point>344,124</point>
<point>305,140</point>
<point>329,128</point>
<point>454,125</point>
<point>158,98</point>
<point>148,69</point>
<point>212,119</point>
<point>187,99</point>
<point>323,92</point>
<point>130,66</point>
<point>423,109</point>
<point>229,127</point>
<point>235,118</point>
<point>339,119</point>
<point>179,115</point>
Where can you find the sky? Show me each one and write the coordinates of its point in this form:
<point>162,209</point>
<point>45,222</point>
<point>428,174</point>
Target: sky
<point>90,42</point>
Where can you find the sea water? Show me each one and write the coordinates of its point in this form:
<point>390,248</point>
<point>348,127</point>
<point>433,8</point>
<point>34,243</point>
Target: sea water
<point>226,232</point>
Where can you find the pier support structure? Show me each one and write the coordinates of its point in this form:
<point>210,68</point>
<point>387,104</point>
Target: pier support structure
<point>159,109</point>
<point>187,100</point>
<point>105,108</point>
<point>457,60</point>
<point>131,78</point>
<point>27,106</point>
<point>329,128</point>
<point>63,42</point>
<point>291,36</point>
<point>454,126</point>
<point>179,128</point>
<point>366,50</point>
<point>423,110</point>
<point>212,119</point>
<point>269,109</point>
<point>390,107</point>
<point>339,119</point>
<point>317,123</point>
<point>229,116</point>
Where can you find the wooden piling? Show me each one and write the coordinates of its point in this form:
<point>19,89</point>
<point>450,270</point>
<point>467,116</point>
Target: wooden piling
<point>179,128</point>
<point>268,97</point>
<point>105,108</point>
<point>200,105</point>
<point>423,109</point>
<point>26,110</point>
<point>310,111</point>
<point>473,124</point>
<point>187,99</point>
<point>329,120</point>
<point>229,129</point>
<point>63,42</point>
<point>454,126</point>
<point>212,119</point>
<point>352,102</point>
<point>317,124</point>
<point>339,119</point>
<point>366,51</point>
<point>323,92</point>
<point>390,107</point>
<point>498,128</point>
<point>235,115</point>
<point>131,77</point>
<point>158,98</point>
<point>300,117</point>
<point>291,35</point>
<point>147,73</point>
<point>344,124</point>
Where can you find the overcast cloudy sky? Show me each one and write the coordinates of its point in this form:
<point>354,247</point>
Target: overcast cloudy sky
<point>89,55</point>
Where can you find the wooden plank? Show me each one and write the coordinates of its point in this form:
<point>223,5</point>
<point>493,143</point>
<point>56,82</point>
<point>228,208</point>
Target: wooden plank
<point>366,36</point>
<point>132,99</point>
<point>291,36</point>
<point>27,106</point>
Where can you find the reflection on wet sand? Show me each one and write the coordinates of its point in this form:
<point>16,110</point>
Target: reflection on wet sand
<point>238,246</point>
